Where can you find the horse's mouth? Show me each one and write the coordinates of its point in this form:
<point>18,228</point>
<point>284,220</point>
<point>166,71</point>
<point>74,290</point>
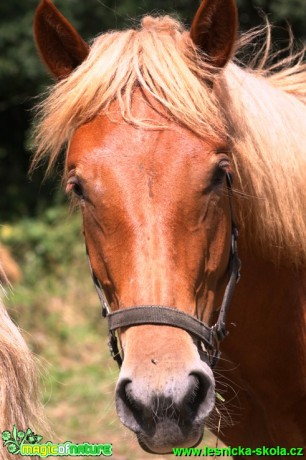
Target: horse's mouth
<point>165,446</point>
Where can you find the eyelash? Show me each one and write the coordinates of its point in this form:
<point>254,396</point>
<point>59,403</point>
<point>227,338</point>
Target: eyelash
<point>223,164</point>
<point>73,185</point>
<point>222,168</point>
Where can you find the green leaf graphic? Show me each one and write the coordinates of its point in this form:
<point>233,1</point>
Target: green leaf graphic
<point>13,448</point>
<point>15,433</point>
<point>20,434</point>
<point>10,441</point>
<point>15,440</point>
<point>6,435</point>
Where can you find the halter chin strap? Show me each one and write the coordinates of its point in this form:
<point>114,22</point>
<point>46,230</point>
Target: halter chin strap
<point>208,336</point>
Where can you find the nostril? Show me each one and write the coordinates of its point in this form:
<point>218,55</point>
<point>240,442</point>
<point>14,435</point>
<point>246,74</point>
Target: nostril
<point>132,408</point>
<point>124,392</point>
<point>198,389</point>
<point>121,386</point>
<point>129,410</point>
<point>128,397</point>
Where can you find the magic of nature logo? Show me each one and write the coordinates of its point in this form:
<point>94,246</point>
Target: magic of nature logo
<point>20,442</point>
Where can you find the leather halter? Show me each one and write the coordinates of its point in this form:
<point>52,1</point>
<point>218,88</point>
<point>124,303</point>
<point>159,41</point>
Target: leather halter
<point>209,336</point>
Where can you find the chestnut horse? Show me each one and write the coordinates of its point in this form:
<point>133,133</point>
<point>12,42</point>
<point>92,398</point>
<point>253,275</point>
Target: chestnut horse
<point>157,121</point>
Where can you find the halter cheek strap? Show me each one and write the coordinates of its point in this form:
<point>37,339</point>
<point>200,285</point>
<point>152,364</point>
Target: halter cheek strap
<point>210,337</point>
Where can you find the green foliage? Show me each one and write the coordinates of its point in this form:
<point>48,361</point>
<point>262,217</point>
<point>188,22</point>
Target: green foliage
<point>50,252</point>
<point>46,245</point>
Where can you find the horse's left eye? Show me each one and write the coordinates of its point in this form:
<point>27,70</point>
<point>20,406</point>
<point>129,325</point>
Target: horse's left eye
<point>73,185</point>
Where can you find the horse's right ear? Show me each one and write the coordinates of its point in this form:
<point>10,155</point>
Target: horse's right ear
<point>61,47</point>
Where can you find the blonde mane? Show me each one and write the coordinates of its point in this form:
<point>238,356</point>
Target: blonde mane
<point>19,397</point>
<point>261,113</point>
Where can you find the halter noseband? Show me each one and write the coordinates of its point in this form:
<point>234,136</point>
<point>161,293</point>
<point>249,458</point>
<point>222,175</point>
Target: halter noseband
<point>209,336</point>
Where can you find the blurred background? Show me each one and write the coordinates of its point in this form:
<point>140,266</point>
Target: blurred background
<point>41,245</point>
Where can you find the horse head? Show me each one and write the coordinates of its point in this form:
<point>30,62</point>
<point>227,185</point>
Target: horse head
<point>156,215</point>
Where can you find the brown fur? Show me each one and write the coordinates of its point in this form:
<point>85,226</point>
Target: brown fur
<point>215,33</point>
<point>45,26</point>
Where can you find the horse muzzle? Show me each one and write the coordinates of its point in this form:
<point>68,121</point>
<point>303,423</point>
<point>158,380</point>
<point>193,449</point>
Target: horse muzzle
<point>165,409</point>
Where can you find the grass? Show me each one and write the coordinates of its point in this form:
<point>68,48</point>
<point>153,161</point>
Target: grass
<point>57,308</point>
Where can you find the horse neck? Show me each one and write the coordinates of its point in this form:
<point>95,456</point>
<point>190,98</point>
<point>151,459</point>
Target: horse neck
<point>268,310</point>
<point>264,353</point>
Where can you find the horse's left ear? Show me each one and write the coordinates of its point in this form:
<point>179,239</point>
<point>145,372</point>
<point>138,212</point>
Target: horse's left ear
<point>214,30</point>
<point>61,47</point>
